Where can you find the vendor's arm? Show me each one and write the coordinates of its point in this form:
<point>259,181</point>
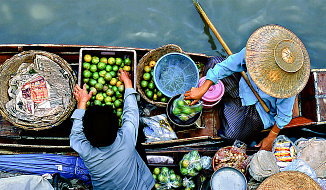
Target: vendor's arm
<point>77,137</point>
<point>234,63</point>
<point>130,116</point>
<point>283,117</point>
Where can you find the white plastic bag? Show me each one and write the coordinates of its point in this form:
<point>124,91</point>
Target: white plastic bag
<point>25,182</point>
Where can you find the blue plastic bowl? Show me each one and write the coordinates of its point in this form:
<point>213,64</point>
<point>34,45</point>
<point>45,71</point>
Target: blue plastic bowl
<point>175,73</point>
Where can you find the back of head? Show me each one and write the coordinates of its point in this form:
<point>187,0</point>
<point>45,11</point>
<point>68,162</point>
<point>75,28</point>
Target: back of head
<point>100,125</point>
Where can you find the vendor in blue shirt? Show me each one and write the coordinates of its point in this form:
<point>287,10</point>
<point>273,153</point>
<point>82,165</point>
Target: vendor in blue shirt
<point>107,150</point>
<point>278,68</point>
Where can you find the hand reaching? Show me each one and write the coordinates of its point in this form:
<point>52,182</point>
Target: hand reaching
<point>82,96</point>
<point>125,78</point>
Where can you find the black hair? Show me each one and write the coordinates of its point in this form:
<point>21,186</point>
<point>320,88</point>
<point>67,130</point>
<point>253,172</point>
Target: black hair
<point>100,125</point>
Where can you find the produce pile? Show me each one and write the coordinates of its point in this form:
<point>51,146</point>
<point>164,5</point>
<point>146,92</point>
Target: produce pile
<point>148,86</point>
<point>183,110</point>
<point>101,77</point>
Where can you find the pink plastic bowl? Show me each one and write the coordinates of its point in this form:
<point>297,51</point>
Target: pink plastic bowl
<point>213,95</point>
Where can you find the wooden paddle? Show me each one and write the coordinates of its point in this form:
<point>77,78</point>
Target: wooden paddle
<point>227,49</point>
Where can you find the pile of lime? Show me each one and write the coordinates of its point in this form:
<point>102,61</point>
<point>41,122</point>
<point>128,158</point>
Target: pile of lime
<point>190,165</point>
<point>183,110</point>
<point>148,86</point>
<point>165,178</point>
<point>100,74</point>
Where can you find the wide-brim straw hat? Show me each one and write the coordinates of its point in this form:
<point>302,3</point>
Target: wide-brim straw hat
<point>277,61</point>
<point>290,180</point>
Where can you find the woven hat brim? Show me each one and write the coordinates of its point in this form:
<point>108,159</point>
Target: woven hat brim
<point>264,70</point>
<point>290,180</point>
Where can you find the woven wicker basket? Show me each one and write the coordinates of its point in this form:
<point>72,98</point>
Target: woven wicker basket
<point>153,55</point>
<point>10,66</point>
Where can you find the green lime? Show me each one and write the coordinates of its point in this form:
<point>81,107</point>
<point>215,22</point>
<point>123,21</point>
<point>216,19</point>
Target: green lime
<point>154,97</point>
<point>113,81</point>
<point>144,83</point>
<point>113,74</point>
<point>108,103</point>
<point>107,76</point>
<point>92,82</point>
<point>95,60</point>
<point>93,97</point>
<point>176,111</point>
<point>105,87</point>
<point>99,97</point>
<point>113,98</point>
<point>156,171</point>
<point>107,99</point>
<point>108,68</point>
<point>102,73</point>
<point>147,69</point>
<point>109,92</point>
<point>87,73</point>
<point>186,110</point>
<point>118,83</point>
<point>95,75</point>
<point>104,94</point>
<point>188,101</point>
<point>159,94</point>
<point>184,171</point>
<point>146,76</point>
<point>114,88</point>
<point>85,80</point>
<point>93,68</point>
<point>99,86</point>
<point>118,94</point>
<point>119,113</point>
<point>88,58</point>
<point>149,94</point>
<point>127,61</point>
<point>151,85</point>
<point>87,87</point>
<point>101,65</point>
<point>181,103</point>
<point>86,65</point>
<point>111,60</point>
<point>185,163</point>
<point>126,68</point>
<point>121,88</point>
<point>115,68</point>
<point>118,61</point>
<point>117,103</point>
<point>97,102</point>
<point>173,177</point>
<point>101,80</point>
<point>104,60</point>
<point>164,99</point>
<point>93,89</point>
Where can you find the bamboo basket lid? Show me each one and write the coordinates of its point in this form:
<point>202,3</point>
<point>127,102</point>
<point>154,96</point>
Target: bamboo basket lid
<point>277,61</point>
<point>290,180</point>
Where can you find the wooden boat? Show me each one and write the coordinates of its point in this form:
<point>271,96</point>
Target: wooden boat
<point>309,110</point>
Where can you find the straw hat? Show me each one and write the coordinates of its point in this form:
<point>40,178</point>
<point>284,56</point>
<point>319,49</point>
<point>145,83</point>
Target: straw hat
<point>290,180</point>
<point>277,61</point>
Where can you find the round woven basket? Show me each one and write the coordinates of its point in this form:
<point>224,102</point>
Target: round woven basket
<point>292,180</point>
<point>153,55</point>
<point>10,66</point>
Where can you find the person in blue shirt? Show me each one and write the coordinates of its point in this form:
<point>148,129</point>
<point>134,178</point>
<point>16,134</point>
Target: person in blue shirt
<point>109,151</point>
<point>277,71</point>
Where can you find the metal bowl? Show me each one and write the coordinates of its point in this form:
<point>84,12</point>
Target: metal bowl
<point>228,178</point>
<point>175,119</point>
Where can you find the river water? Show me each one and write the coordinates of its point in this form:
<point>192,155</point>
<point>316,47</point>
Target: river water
<point>153,23</point>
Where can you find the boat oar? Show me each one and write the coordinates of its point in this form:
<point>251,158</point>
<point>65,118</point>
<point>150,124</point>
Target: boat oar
<point>227,49</point>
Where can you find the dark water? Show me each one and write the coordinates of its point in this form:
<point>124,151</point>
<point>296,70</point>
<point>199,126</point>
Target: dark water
<point>153,23</point>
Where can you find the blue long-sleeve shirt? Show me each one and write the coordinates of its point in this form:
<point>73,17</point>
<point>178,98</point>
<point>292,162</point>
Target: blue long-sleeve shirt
<point>119,165</point>
<point>280,109</point>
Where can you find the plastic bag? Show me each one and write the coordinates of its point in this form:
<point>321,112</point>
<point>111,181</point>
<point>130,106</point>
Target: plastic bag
<point>284,150</point>
<point>157,128</point>
<point>165,178</point>
<point>191,165</point>
<point>183,111</point>
<point>234,156</point>
<point>188,183</point>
